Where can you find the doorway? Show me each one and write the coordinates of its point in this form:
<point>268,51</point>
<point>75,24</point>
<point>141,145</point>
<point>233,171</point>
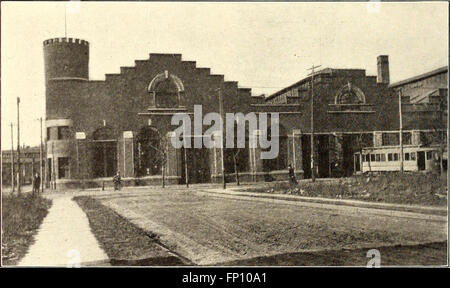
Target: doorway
<point>306,156</point>
<point>421,160</point>
<point>347,151</point>
<point>149,152</point>
<point>357,162</point>
<point>323,155</point>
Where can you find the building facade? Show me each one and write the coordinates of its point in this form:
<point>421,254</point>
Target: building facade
<point>123,123</point>
<point>29,165</point>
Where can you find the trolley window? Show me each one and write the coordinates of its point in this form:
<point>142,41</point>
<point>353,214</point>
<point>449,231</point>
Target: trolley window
<point>406,156</point>
<point>390,158</point>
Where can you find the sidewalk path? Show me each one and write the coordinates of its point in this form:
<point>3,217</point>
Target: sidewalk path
<point>65,238</point>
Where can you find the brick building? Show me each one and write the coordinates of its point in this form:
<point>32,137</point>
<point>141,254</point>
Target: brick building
<point>95,128</point>
<point>29,165</point>
<point>424,97</point>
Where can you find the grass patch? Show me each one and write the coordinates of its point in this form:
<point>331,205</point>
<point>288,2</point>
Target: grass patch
<point>430,254</point>
<point>21,217</point>
<point>408,188</point>
<point>123,242</point>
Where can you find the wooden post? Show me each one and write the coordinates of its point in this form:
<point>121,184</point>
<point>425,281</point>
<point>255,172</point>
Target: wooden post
<point>32,173</point>
<point>12,159</point>
<point>41,154</point>
<point>186,175</point>
<point>236,172</point>
<point>313,177</point>
<point>53,175</point>
<point>224,182</point>
<point>18,147</point>
<point>401,129</point>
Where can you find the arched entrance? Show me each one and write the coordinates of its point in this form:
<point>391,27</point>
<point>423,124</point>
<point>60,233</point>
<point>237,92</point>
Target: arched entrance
<point>104,152</point>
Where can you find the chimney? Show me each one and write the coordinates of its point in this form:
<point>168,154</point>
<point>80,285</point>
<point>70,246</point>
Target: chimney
<point>383,69</point>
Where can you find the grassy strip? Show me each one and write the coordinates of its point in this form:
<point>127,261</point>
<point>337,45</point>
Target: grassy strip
<point>124,243</point>
<point>408,188</point>
<point>21,217</point>
<point>432,254</point>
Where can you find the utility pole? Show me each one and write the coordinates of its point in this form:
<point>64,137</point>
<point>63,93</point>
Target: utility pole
<point>222,137</point>
<point>313,176</point>
<point>46,163</point>
<point>12,160</point>
<point>41,154</point>
<point>18,147</point>
<point>53,180</point>
<point>32,173</point>
<point>401,129</point>
<point>186,174</point>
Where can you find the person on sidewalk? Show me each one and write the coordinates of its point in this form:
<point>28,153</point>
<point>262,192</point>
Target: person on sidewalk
<point>36,183</point>
<point>292,179</point>
<point>117,181</point>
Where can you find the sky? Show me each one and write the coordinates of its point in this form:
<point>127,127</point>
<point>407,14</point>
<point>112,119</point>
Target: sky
<point>264,46</point>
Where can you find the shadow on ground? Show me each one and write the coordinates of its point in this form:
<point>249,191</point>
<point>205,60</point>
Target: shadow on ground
<point>432,254</point>
<point>154,261</point>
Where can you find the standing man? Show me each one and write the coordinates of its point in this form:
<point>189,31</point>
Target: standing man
<point>117,181</point>
<point>37,183</point>
<point>292,178</point>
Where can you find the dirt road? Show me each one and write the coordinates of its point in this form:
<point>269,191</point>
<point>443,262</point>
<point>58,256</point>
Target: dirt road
<point>209,230</point>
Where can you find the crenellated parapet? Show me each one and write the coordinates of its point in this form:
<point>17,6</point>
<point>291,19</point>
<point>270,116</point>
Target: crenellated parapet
<point>65,40</point>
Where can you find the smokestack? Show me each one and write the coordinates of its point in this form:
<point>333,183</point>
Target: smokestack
<point>383,69</point>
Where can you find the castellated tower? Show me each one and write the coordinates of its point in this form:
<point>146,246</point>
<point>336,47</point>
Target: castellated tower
<point>66,73</point>
<point>66,58</point>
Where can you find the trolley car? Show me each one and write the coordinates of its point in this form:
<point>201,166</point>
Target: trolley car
<point>415,158</point>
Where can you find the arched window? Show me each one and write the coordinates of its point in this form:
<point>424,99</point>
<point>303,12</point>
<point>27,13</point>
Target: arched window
<point>166,90</point>
<point>166,94</point>
<point>350,94</point>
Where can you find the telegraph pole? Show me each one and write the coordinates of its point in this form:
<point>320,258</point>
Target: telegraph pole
<point>313,177</point>
<point>18,147</point>
<point>53,180</point>
<point>186,173</point>
<point>12,160</point>
<point>222,138</point>
<point>401,129</point>
<point>40,160</point>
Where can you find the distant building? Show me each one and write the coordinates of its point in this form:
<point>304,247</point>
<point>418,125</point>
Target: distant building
<point>29,165</point>
<point>424,97</point>
<point>356,114</point>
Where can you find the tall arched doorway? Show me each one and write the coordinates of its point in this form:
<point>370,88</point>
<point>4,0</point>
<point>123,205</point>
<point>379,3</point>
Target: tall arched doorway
<point>104,152</point>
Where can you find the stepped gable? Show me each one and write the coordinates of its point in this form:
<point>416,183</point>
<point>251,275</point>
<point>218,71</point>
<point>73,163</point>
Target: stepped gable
<point>187,64</point>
